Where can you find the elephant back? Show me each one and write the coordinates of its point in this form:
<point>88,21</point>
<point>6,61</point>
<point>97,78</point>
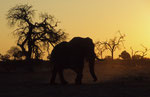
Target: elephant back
<point>59,51</point>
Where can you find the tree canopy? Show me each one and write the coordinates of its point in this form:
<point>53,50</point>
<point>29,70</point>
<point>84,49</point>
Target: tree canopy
<point>111,45</point>
<point>34,37</point>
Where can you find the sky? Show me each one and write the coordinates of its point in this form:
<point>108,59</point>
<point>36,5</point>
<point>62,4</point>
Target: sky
<point>98,19</point>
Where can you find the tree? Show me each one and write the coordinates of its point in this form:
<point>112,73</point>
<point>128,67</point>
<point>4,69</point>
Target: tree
<point>99,49</point>
<point>34,37</point>
<point>114,44</point>
<point>139,54</point>
<point>144,52</point>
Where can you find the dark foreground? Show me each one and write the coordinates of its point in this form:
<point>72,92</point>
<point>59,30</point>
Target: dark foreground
<point>29,85</point>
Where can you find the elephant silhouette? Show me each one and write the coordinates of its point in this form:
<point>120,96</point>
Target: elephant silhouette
<point>71,55</point>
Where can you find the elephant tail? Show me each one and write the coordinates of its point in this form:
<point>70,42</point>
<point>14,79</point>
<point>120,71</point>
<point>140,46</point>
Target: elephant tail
<point>99,59</point>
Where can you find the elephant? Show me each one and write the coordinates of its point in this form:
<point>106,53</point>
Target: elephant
<point>71,55</point>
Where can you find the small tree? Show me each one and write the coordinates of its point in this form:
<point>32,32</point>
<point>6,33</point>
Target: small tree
<point>139,54</point>
<point>34,37</point>
<point>144,52</point>
<point>114,44</point>
<point>99,49</point>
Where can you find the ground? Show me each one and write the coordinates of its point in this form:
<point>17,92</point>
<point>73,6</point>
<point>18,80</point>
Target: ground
<point>114,81</point>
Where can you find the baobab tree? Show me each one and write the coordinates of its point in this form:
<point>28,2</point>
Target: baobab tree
<point>34,37</point>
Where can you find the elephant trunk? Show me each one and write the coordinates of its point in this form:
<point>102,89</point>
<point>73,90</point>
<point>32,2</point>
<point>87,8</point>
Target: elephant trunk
<point>91,66</point>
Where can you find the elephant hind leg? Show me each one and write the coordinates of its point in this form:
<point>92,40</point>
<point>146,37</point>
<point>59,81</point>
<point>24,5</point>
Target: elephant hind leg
<point>61,75</point>
<point>79,78</point>
<point>54,73</point>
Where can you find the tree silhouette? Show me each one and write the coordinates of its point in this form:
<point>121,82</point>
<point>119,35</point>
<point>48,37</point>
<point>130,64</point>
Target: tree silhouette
<point>144,52</point>
<point>34,37</point>
<point>139,54</point>
<point>114,44</point>
<point>99,49</point>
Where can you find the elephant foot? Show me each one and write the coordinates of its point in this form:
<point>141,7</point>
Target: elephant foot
<point>78,82</point>
<point>64,82</point>
<point>53,83</point>
<point>95,79</point>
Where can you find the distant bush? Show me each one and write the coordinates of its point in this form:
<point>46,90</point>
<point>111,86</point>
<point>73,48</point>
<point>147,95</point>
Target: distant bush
<point>125,55</point>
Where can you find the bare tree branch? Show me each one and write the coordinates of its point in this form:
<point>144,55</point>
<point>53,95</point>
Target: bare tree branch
<point>32,36</point>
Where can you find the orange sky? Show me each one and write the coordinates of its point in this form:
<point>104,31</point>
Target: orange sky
<point>98,19</point>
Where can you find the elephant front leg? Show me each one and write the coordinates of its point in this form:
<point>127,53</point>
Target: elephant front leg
<point>79,76</point>
<point>61,75</point>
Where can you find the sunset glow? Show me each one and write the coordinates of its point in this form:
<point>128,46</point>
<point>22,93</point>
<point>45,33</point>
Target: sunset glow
<point>98,19</point>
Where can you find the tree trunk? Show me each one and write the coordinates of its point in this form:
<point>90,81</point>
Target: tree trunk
<point>101,55</point>
<point>112,54</point>
<point>29,53</point>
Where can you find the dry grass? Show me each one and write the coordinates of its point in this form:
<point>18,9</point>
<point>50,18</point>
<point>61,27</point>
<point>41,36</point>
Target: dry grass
<point>116,79</point>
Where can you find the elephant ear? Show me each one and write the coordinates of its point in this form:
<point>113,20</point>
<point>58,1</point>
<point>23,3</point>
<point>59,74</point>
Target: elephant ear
<point>89,42</point>
<point>85,45</point>
<point>89,46</point>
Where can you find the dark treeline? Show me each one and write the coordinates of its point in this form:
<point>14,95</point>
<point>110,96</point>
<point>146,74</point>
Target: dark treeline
<point>24,66</point>
<point>42,65</point>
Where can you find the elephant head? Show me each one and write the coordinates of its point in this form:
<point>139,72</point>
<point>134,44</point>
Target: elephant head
<point>90,56</point>
<point>86,46</point>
